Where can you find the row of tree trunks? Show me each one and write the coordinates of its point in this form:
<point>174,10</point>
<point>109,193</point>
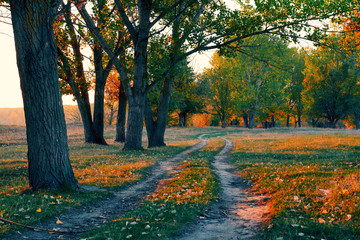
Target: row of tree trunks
<point>93,129</point>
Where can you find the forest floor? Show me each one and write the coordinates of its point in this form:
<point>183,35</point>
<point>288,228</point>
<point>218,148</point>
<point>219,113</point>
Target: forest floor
<point>227,184</point>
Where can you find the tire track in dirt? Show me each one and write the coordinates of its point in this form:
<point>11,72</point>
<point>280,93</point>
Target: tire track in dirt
<point>93,216</point>
<point>237,214</point>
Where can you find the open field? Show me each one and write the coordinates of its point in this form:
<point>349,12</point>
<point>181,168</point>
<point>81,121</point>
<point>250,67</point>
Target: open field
<point>313,179</point>
<point>105,166</point>
<point>311,175</point>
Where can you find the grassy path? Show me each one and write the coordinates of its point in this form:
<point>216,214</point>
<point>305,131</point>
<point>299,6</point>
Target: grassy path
<point>92,216</point>
<point>236,214</point>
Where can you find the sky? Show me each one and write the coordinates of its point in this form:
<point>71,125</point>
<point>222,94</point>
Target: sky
<point>10,93</point>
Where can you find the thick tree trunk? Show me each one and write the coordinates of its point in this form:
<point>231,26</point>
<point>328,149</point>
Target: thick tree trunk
<point>121,116</point>
<point>48,154</point>
<point>137,94</point>
<point>157,132</point>
<point>100,75</point>
<point>252,119</point>
<point>133,140</point>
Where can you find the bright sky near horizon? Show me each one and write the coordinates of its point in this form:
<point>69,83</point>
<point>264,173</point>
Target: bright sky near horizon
<point>10,93</point>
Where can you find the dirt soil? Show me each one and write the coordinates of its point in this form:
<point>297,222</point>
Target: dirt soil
<point>238,213</point>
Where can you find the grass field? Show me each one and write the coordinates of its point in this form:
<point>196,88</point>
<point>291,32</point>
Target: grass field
<point>311,175</point>
<point>105,166</point>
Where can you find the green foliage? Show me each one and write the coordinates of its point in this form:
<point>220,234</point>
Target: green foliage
<point>330,83</point>
<point>186,97</point>
<point>253,80</point>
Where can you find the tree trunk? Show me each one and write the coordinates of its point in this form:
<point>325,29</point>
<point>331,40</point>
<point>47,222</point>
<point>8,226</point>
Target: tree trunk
<point>246,120</point>
<point>332,123</point>
<point>111,117</point>
<point>251,119</point>
<point>81,96</point>
<point>356,119</point>
<point>223,122</point>
<point>299,118</point>
<point>185,119</point>
<point>48,153</point>
<point>85,112</point>
<point>180,120</point>
<point>78,87</point>
<point>133,139</point>
<point>288,121</point>
<point>121,116</point>
<point>156,132</point>
<point>273,123</point>
<point>100,81</point>
<point>137,94</point>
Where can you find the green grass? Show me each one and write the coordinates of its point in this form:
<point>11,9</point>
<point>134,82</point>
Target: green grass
<point>87,160</point>
<point>313,180</point>
<point>162,214</point>
<point>312,177</point>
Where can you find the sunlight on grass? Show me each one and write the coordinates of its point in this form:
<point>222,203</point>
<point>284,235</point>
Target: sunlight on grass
<point>176,201</point>
<point>106,166</point>
<point>109,175</point>
<point>313,181</point>
<point>184,143</point>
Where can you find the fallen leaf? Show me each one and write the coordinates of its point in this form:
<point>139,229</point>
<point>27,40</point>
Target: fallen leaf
<point>320,220</point>
<point>297,199</point>
<point>59,222</point>
<point>38,210</point>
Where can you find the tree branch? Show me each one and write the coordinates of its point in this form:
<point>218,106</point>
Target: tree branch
<point>132,30</point>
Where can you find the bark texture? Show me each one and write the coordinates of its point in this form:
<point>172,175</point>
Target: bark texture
<point>137,92</point>
<point>121,116</point>
<point>156,125</point>
<point>48,154</point>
